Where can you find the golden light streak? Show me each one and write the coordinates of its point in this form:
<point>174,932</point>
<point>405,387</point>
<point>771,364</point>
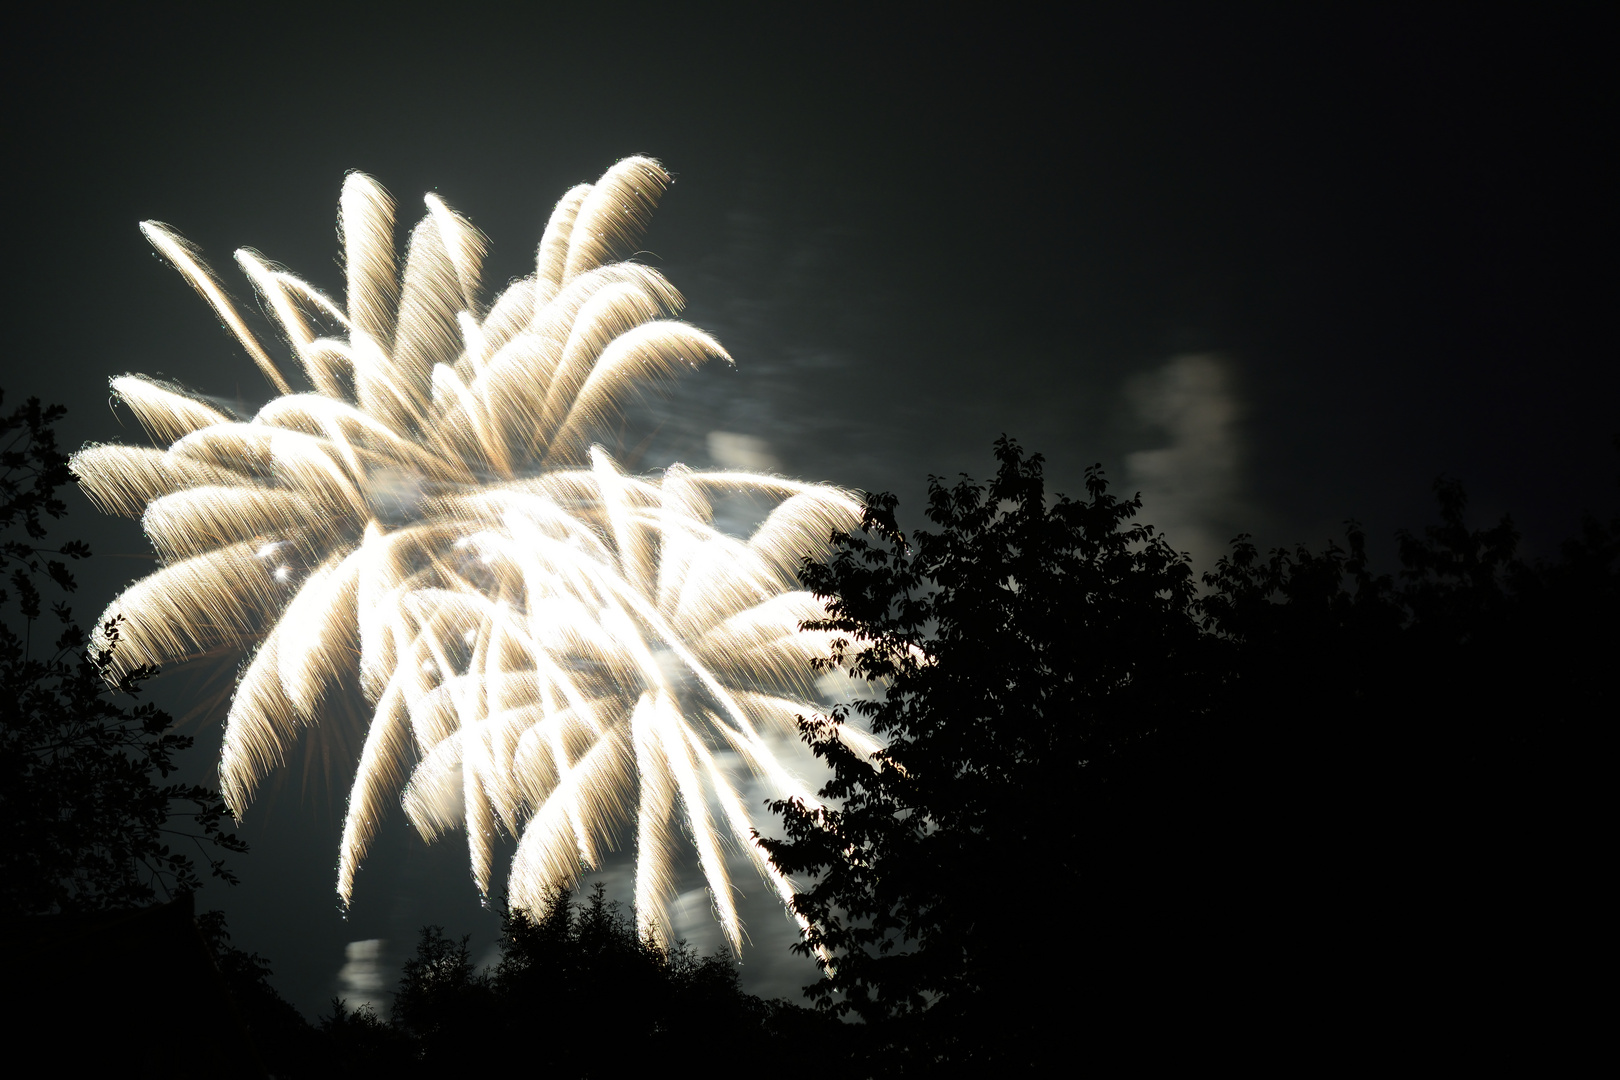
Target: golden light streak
<point>551,647</point>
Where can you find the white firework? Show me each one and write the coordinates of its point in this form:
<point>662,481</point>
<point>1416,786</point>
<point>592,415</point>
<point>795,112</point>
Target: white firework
<point>551,647</point>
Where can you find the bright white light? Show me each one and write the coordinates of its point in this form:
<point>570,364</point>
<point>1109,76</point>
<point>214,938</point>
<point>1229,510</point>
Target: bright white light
<point>551,647</point>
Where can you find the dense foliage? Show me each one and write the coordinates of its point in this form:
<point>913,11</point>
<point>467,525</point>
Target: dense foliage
<point>85,820</point>
<point>575,994</point>
<point>1208,798</point>
<point>1029,651</point>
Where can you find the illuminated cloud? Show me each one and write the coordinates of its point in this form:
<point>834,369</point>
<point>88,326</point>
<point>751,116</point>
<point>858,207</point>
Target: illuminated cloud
<point>1190,488</point>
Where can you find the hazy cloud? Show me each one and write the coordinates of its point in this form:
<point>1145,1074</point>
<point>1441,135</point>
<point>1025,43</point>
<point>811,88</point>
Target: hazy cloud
<point>733,451</point>
<point>361,976</point>
<point>1192,487</point>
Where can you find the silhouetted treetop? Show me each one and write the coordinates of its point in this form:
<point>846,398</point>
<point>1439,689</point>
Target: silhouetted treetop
<point>1025,652</point>
<point>86,823</point>
<point>1112,811</point>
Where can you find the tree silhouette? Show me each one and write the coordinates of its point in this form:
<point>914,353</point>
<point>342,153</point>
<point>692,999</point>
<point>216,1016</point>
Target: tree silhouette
<point>583,995</point>
<point>360,1043</point>
<point>442,1000</point>
<point>1032,653</point>
<point>1117,819</point>
<point>1417,755</point>
<point>287,1044</point>
<point>86,823</point>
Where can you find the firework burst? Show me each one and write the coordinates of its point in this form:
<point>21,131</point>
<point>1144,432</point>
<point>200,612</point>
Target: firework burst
<point>550,646</point>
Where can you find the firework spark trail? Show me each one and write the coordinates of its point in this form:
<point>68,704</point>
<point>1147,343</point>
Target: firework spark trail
<point>551,647</point>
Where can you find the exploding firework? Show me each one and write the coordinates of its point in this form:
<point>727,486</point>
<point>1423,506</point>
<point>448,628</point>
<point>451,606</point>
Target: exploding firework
<point>550,646</point>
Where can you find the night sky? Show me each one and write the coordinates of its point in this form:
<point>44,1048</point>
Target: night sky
<point>1272,270</point>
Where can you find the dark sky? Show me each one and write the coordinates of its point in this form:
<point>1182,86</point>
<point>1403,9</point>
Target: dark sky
<point>1273,269</point>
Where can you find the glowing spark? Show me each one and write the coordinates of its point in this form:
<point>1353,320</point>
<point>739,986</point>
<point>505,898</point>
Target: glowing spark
<point>550,646</point>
